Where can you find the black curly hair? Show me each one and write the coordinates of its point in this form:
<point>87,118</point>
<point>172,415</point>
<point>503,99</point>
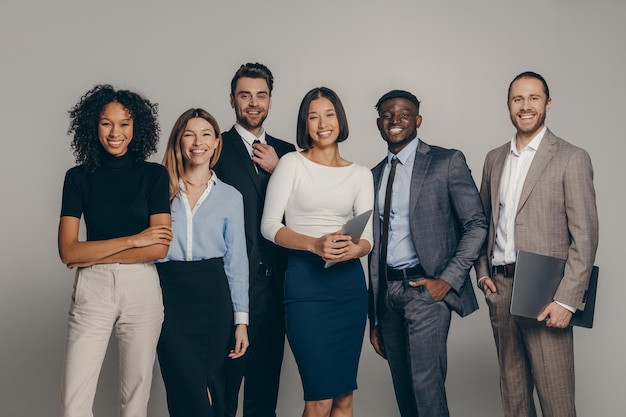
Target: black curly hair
<point>85,116</point>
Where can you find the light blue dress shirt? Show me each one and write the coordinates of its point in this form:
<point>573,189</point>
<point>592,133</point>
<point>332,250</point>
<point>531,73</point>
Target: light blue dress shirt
<point>400,250</point>
<point>216,230</point>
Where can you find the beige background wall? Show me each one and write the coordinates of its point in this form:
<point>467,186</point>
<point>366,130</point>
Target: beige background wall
<point>457,56</point>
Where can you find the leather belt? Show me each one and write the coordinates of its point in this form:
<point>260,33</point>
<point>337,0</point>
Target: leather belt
<point>401,274</point>
<point>507,270</point>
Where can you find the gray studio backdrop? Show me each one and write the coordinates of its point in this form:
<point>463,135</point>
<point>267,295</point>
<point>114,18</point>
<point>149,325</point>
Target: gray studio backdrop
<point>457,56</point>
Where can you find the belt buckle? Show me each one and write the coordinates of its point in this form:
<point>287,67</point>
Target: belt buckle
<point>507,271</point>
<point>393,274</point>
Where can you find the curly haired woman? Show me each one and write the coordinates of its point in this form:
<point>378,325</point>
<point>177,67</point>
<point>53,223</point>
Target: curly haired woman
<point>125,205</point>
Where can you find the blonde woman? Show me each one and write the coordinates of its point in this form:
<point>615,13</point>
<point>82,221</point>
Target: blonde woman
<point>205,274</point>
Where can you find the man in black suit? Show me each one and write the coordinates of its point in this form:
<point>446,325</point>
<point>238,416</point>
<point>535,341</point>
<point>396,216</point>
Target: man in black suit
<point>248,158</point>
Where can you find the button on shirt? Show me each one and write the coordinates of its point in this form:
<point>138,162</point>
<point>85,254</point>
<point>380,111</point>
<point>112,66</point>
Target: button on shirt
<point>400,250</point>
<point>514,174</point>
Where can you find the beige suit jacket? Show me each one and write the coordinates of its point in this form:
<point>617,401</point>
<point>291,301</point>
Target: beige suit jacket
<point>556,216</point>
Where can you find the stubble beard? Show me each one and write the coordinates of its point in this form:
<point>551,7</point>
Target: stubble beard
<point>530,131</point>
<point>244,121</point>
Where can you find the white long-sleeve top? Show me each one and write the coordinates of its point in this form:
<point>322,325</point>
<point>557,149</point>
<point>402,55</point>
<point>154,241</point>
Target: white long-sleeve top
<point>316,199</point>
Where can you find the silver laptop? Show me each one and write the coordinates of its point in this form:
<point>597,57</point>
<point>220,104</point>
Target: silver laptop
<point>535,282</point>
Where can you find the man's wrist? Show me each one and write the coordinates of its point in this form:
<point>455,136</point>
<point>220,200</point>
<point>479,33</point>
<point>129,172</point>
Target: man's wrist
<point>570,308</point>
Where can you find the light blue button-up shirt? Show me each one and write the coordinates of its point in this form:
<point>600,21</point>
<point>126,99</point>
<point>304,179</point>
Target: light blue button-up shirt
<point>216,230</point>
<point>400,251</point>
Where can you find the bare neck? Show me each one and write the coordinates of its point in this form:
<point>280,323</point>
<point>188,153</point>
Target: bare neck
<point>197,174</point>
<point>327,156</point>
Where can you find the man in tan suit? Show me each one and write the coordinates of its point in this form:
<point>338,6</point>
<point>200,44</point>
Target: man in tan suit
<point>538,195</point>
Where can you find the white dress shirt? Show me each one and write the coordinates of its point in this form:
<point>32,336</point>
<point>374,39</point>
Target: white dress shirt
<point>513,177</point>
<point>248,137</point>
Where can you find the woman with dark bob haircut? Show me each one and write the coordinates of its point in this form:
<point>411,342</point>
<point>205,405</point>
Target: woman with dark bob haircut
<point>302,134</point>
<point>124,202</point>
<point>205,274</point>
<point>317,191</point>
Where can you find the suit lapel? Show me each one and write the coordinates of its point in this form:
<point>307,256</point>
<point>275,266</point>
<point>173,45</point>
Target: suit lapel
<point>420,168</point>
<point>377,174</point>
<point>273,142</point>
<point>542,158</point>
<point>496,180</point>
<point>378,277</point>
<point>246,161</point>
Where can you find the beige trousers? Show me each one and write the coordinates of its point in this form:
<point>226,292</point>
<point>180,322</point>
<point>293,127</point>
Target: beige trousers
<point>531,355</point>
<point>126,298</point>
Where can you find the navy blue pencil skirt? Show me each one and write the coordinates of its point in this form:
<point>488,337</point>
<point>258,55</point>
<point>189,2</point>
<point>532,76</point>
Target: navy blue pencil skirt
<point>325,314</point>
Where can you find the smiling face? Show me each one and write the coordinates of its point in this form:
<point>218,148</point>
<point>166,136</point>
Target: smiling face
<point>252,101</point>
<point>115,129</point>
<point>322,123</point>
<point>528,106</point>
<point>398,122</point>
<point>198,142</point>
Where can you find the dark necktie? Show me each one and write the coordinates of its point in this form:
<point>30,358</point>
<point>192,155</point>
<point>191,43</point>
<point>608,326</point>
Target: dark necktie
<point>384,240</point>
<point>262,174</point>
<point>254,143</point>
<point>262,179</point>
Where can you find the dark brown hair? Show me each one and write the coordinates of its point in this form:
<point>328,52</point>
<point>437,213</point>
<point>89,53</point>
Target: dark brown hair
<point>302,135</point>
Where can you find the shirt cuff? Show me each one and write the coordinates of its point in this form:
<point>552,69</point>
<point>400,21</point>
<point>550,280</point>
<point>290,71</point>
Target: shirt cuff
<point>570,308</point>
<point>242,318</point>
<point>481,279</point>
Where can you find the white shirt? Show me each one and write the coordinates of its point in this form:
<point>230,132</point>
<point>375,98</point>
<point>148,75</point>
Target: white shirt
<point>316,199</point>
<point>513,177</point>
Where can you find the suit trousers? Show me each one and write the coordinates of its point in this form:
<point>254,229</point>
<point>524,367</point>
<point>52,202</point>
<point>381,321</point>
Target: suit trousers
<point>124,297</point>
<point>414,331</point>
<point>260,366</point>
<point>531,354</point>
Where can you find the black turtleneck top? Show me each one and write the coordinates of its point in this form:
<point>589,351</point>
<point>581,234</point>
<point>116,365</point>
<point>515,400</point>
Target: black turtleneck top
<point>118,198</point>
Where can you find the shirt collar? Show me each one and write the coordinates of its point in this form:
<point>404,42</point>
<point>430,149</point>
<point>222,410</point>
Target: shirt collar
<point>247,136</point>
<point>533,144</point>
<point>404,155</point>
<point>212,181</point>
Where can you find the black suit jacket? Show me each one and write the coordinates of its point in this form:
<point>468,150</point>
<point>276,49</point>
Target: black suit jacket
<point>235,167</point>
